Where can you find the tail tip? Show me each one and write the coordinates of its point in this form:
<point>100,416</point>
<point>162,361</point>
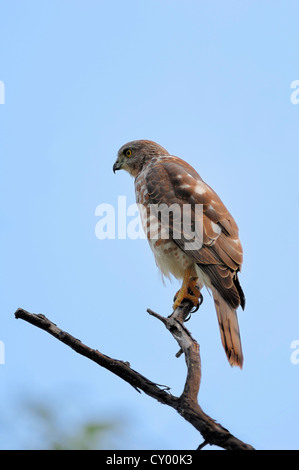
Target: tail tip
<point>235,360</point>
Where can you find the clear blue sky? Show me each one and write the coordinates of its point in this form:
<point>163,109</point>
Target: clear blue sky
<point>210,81</point>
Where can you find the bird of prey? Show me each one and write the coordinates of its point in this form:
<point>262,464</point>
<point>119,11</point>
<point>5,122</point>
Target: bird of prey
<point>211,256</point>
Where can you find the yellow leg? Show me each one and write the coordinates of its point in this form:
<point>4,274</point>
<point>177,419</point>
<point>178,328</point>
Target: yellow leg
<point>189,290</point>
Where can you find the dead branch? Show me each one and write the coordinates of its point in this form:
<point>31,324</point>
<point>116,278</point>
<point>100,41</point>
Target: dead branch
<point>186,405</point>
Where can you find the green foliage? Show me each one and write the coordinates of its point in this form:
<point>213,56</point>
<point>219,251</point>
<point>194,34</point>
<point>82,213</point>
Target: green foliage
<point>53,435</point>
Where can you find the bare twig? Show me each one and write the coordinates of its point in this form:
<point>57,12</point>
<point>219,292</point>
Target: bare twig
<point>202,445</point>
<point>188,346</point>
<point>186,405</point>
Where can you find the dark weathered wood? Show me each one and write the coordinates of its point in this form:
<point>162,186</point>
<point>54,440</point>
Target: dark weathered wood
<point>186,405</point>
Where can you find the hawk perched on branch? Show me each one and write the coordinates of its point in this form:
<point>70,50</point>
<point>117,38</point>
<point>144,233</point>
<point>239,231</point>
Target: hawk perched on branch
<point>201,248</point>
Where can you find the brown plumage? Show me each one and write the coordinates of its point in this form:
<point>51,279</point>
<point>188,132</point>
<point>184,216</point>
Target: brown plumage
<point>163,180</point>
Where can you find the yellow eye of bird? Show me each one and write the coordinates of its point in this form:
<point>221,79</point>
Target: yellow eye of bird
<point>128,153</point>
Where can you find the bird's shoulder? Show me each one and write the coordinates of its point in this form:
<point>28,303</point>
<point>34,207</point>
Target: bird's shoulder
<point>171,180</point>
<point>173,176</point>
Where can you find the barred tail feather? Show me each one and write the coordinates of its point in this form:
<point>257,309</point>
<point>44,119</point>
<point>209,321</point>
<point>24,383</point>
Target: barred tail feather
<point>229,330</point>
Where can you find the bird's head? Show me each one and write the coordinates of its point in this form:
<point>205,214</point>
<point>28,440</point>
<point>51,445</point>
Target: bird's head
<point>134,155</point>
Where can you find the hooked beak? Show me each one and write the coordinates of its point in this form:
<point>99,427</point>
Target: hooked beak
<point>116,166</point>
